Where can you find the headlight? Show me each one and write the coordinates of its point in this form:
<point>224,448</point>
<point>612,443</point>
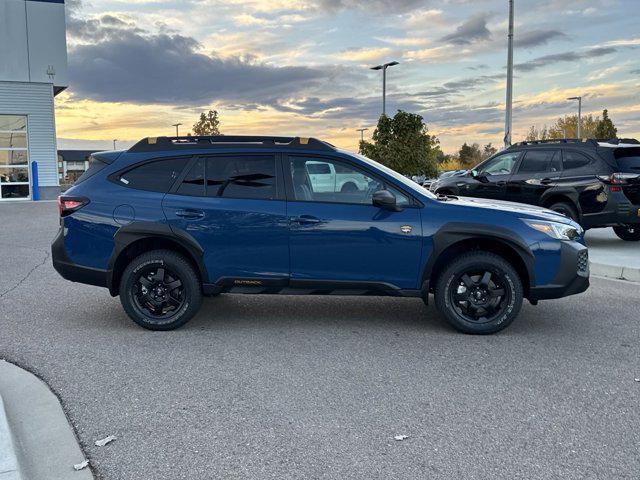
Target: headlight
<point>559,231</point>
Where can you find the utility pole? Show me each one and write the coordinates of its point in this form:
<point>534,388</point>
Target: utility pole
<point>579,99</point>
<point>176,125</point>
<point>361,130</point>
<point>508,121</point>
<point>384,67</point>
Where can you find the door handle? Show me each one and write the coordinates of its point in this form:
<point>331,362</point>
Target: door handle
<point>306,220</point>
<point>190,214</point>
<point>546,181</point>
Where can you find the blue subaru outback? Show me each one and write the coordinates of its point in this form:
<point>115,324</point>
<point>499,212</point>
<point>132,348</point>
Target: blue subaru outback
<point>174,219</point>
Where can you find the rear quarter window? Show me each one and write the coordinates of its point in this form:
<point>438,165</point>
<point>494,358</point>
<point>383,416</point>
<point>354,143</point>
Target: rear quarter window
<point>628,159</point>
<point>154,176</point>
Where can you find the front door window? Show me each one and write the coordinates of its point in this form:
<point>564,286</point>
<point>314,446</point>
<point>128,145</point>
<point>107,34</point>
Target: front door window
<point>14,157</point>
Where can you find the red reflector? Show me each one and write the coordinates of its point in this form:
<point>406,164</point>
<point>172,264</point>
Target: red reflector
<point>616,189</point>
<point>59,207</point>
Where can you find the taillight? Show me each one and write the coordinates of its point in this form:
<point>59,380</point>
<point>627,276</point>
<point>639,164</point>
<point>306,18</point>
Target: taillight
<point>68,205</point>
<point>619,178</point>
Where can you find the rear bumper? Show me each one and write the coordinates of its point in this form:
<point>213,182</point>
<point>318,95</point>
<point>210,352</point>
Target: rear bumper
<point>72,271</point>
<point>619,211</point>
<point>572,277</point>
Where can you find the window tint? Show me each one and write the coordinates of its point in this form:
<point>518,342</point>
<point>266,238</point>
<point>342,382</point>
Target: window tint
<point>573,160</point>
<point>156,176</point>
<point>537,161</point>
<point>319,168</point>
<point>241,177</point>
<point>193,183</point>
<point>500,165</point>
<point>342,184</point>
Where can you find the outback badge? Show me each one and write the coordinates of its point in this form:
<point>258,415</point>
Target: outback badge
<point>406,228</point>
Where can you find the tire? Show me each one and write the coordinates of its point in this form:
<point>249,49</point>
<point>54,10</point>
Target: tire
<point>566,209</point>
<point>628,233</point>
<point>147,295</point>
<point>349,187</point>
<point>465,302</point>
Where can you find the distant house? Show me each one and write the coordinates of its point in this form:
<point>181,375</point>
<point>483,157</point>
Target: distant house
<point>72,164</point>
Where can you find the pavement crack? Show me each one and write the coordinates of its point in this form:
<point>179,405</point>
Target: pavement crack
<point>23,279</point>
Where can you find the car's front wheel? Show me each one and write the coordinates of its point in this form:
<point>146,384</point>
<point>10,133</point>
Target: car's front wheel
<point>479,293</point>
<point>629,233</point>
<point>160,290</point>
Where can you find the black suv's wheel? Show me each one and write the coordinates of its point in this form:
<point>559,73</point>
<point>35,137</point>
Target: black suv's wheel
<point>160,290</point>
<point>479,293</point>
<point>565,209</point>
<point>629,233</point>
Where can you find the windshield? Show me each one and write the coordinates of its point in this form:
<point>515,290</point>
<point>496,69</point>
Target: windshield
<point>397,176</point>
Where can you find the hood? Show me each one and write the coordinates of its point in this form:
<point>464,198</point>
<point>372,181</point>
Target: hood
<point>521,209</point>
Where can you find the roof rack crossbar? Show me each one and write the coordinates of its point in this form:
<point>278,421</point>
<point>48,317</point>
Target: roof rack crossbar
<point>220,141</point>
<point>588,141</point>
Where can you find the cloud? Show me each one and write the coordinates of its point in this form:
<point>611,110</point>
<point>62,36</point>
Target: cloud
<point>534,38</point>
<point>126,64</point>
<point>552,59</point>
<point>379,5</point>
<point>473,29</point>
<point>364,54</point>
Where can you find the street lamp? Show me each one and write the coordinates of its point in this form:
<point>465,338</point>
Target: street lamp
<point>361,130</point>
<point>384,67</point>
<point>508,117</point>
<point>114,143</point>
<point>579,99</point>
<point>176,125</point>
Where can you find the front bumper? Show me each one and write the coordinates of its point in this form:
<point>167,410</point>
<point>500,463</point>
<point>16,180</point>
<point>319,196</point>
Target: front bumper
<point>572,277</point>
<point>72,271</point>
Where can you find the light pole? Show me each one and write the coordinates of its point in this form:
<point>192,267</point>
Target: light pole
<point>114,143</point>
<point>579,99</point>
<point>508,120</point>
<point>361,130</point>
<point>384,67</point>
<point>176,125</point>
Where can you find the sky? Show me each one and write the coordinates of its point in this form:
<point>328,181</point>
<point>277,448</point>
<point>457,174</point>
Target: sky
<point>302,67</point>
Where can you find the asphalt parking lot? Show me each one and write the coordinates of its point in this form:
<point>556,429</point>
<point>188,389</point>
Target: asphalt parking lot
<point>294,387</point>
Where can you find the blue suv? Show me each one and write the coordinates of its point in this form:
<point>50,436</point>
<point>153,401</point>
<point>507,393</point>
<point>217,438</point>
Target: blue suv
<point>174,219</point>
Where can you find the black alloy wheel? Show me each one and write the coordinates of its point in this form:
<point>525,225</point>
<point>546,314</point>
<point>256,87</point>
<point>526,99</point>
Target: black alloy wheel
<point>160,290</point>
<point>479,292</point>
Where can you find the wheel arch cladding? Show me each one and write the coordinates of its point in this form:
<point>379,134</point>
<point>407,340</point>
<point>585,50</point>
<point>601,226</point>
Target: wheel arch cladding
<point>557,196</point>
<point>137,238</point>
<point>454,239</point>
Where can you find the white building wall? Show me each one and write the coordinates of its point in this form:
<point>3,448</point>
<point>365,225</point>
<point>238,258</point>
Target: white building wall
<point>35,100</point>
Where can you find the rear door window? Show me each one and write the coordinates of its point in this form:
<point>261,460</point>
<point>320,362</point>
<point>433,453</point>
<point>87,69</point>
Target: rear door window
<point>537,161</point>
<point>155,176</point>
<point>250,176</point>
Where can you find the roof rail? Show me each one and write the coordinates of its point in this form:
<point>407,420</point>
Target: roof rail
<point>586,141</point>
<point>618,141</point>
<point>155,144</point>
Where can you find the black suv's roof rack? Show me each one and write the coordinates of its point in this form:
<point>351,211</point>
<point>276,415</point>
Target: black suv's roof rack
<point>588,141</point>
<point>618,141</point>
<point>155,144</point>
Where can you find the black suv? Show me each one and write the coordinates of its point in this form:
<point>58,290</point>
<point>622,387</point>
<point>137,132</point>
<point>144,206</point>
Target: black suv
<point>594,183</point>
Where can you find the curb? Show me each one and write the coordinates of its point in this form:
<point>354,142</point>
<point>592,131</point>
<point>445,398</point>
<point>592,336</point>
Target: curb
<point>8,458</point>
<point>613,271</point>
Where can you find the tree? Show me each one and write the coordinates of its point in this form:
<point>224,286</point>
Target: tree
<point>489,151</point>
<point>535,134</point>
<point>567,127</point>
<point>469,155</point>
<point>403,144</point>
<point>606,129</point>
<point>208,124</point>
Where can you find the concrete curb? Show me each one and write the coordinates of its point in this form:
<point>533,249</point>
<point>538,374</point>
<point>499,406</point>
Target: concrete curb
<point>44,443</point>
<point>8,458</point>
<point>614,271</point>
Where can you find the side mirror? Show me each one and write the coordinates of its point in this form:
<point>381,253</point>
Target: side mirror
<point>481,177</point>
<point>384,199</point>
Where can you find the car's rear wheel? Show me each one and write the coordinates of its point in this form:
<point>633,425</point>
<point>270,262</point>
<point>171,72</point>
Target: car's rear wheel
<point>160,290</point>
<point>629,233</point>
<point>565,209</point>
<point>479,293</point>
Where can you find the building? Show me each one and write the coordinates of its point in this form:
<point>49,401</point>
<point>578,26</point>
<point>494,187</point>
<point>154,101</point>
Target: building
<point>33,69</point>
<point>72,164</point>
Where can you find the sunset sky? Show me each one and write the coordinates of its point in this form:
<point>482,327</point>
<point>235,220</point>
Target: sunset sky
<point>301,67</point>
